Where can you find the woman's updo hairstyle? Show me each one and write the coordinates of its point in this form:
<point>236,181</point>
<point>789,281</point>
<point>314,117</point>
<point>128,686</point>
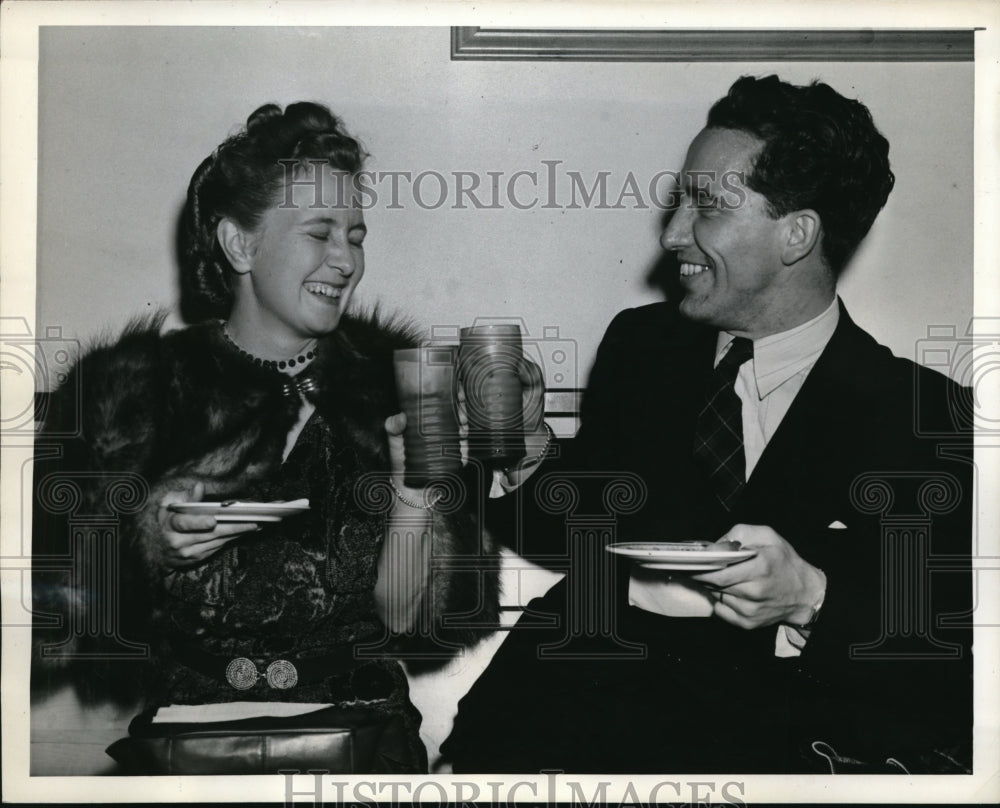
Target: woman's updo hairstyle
<point>241,180</point>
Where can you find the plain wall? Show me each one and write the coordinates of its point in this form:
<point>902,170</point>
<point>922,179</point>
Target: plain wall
<point>126,114</point>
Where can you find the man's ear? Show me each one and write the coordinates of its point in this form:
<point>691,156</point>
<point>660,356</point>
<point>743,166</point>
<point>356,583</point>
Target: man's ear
<point>238,245</point>
<point>802,236</point>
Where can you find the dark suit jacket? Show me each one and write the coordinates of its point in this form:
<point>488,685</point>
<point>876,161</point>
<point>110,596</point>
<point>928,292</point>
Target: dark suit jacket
<point>872,442</point>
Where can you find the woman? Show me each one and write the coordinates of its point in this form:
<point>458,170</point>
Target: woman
<point>288,397</point>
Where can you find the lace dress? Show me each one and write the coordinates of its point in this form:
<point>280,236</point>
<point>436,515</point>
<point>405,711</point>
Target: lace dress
<point>299,589</point>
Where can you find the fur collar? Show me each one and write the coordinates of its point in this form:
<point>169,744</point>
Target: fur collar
<point>187,404</point>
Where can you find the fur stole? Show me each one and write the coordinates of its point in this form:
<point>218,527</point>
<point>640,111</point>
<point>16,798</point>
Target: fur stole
<point>150,413</point>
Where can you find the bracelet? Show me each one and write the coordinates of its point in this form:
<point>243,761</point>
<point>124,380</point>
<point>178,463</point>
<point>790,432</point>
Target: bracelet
<point>426,506</point>
<point>538,458</point>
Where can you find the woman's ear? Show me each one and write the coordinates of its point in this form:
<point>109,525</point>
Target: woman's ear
<point>803,236</point>
<point>238,245</point>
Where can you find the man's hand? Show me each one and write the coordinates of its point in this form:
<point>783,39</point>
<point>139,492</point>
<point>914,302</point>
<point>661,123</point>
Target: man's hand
<point>532,400</point>
<point>188,539</point>
<point>536,436</point>
<point>775,586</point>
<point>532,396</point>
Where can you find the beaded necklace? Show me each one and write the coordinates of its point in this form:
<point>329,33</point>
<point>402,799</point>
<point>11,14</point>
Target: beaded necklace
<point>271,364</point>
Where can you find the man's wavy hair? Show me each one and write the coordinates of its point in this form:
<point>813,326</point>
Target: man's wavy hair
<point>821,151</point>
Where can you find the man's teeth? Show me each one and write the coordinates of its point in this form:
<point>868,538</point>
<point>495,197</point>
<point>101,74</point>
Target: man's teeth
<point>692,269</point>
<point>323,289</point>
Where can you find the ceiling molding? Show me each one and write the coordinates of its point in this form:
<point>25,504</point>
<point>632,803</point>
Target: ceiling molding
<point>714,45</point>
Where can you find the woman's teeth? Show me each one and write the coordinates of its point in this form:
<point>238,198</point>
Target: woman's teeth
<point>323,289</point>
<point>693,269</point>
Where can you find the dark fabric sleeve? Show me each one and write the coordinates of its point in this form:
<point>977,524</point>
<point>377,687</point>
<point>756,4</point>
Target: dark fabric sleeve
<point>516,519</point>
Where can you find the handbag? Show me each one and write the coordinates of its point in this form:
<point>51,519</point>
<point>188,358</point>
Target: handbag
<point>332,740</point>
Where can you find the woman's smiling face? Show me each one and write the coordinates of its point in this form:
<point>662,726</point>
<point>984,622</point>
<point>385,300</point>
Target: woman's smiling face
<point>304,260</point>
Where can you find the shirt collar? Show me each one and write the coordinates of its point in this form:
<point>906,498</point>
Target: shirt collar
<point>778,357</point>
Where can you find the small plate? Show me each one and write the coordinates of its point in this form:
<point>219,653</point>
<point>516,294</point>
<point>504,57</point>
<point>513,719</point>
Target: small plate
<point>687,556</point>
<point>234,511</point>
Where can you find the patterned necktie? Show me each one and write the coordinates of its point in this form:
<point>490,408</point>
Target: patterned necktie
<point>718,437</point>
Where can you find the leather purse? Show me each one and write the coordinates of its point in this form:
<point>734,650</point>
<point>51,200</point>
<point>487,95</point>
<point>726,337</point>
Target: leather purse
<point>332,740</point>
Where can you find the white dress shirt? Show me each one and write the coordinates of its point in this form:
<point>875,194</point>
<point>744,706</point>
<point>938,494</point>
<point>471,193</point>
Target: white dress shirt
<point>766,385</point>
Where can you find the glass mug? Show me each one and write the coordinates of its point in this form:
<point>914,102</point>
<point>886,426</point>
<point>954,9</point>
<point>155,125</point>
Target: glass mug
<point>489,365</point>
<point>425,383</point>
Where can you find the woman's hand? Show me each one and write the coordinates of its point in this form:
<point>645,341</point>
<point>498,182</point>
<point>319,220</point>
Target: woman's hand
<point>395,425</point>
<point>191,538</point>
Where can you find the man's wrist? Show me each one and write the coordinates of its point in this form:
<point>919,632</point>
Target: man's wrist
<point>537,446</point>
<point>806,616</point>
<point>537,443</point>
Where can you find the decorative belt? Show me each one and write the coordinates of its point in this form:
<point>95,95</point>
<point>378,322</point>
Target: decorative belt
<point>243,673</point>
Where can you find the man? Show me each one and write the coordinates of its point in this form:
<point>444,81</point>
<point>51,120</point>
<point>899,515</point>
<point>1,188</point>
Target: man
<point>754,411</point>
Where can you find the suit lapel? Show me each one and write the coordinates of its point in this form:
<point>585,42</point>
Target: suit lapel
<point>816,436</point>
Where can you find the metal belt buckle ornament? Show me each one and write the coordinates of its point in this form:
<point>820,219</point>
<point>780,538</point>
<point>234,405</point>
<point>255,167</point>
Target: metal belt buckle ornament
<point>241,673</point>
<point>281,674</point>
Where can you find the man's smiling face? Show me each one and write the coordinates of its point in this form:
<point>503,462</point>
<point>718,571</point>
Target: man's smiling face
<point>728,245</point>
